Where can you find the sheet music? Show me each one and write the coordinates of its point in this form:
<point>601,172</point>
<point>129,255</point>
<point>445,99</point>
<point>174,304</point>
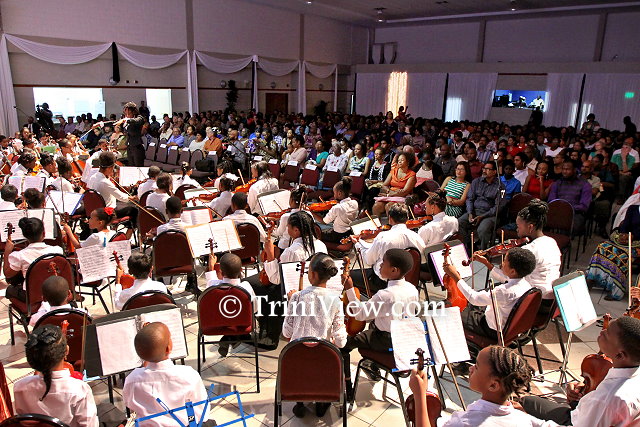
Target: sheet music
<point>47,217</point>
<point>123,248</point>
<point>408,335</point>
<point>575,304</point>
<point>12,217</point>
<point>70,203</point>
<point>196,215</point>
<point>223,233</point>
<point>195,192</point>
<point>291,277</point>
<point>365,225</point>
<point>94,263</point>
<point>274,202</point>
<point>458,254</point>
<point>16,181</point>
<point>36,182</point>
<point>115,342</point>
<point>173,320</point>
<point>451,333</point>
<point>130,175</point>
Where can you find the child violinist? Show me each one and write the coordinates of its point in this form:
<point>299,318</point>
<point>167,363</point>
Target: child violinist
<point>295,201</point>
<point>158,198</point>
<point>186,179</point>
<point>341,214</point>
<point>264,182</point>
<point>442,225</point>
<point>99,220</point>
<point>55,294</point>
<point>222,203</point>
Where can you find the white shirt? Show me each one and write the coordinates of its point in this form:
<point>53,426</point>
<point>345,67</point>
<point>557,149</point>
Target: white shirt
<point>399,237</point>
<point>506,297</point>
<point>173,224</point>
<point>158,201</point>
<point>100,238</point>
<point>633,153</point>
<point>338,162</point>
<point>186,180</point>
<point>222,203</point>
<point>62,184</point>
<point>7,206</point>
<point>521,175</point>
<point>196,145</point>
<point>212,280</point>
<point>148,185</point>
<point>107,190</point>
<point>548,151</point>
<point>173,384</point>
<point>615,402</point>
<point>393,302</point>
<point>323,316</point>
<point>282,231</point>
<point>69,399</point>
<point>439,229</point>
<point>241,216</point>
<point>22,259</point>
<point>121,296</point>
<point>342,214</point>
<point>260,186</point>
<point>483,413</point>
<point>44,309</point>
<point>295,252</point>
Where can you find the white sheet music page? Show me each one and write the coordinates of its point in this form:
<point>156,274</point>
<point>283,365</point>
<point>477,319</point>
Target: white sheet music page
<point>130,175</point>
<point>198,237</point>
<point>94,263</point>
<point>291,276</point>
<point>575,304</point>
<point>64,201</point>
<point>225,236</point>
<point>115,342</point>
<point>47,217</point>
<point>36,182</point>
<point>195,216</point>
<point>407,336</point>
<point>451,333</point>
<point>16,181</point>
<point>123,248</point>
<point>173,319</point>
<point>11,217</point>
<point>457,255</point>
<point>274,202</point>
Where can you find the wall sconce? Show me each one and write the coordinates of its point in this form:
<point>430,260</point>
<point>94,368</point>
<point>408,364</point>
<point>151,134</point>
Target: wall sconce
<point>247,83</point>
<point>223,84</point>
<point>273,85</point>
<point>321,86</point>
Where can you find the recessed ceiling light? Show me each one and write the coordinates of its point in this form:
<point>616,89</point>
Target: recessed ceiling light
<point>513,5</point>
<point>309,2</point>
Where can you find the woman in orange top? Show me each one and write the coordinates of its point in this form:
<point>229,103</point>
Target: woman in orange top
<point>213,143</point>
<point>399,183</point>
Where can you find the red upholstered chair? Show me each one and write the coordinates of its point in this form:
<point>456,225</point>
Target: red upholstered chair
<point>290,176</point>
<point>185,156</point>
<point>180,191</point>
<point>275,170</point>
<point>300,379</point>
<point>540,323</point>
<point>310,177</point>
<point>516,204</point>
<point>148,219</point>
<point>250,240</point>
<point>150,153</point>
<point>143,198</point>
<point>413,276</point>
<point>172,254</point>
<point>6,406</point>
<point>213,321</point>
<point>78,320</point>
<point>148,298</point>
<point>32,420</point>
<point>38,271</point>
<point>431,185</point>
<point>329,179</point>
<point>161,155</point>
<point>560,228</point>
<point>357,185</point>
<point>92,200</point>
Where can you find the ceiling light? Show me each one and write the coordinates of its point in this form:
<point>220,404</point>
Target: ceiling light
<point>309,2</point>
<point>513,5</point>
<point>380,12</point>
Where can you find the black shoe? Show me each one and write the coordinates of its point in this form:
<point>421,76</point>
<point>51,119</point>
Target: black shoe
<point>460,369</point>
<point>193,289</point>
<point>299,410</point>
<point>372,371</point>
<point>223,349</point>
<point>321,408</point>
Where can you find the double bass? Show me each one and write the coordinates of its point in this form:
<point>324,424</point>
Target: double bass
<point>454,295</point>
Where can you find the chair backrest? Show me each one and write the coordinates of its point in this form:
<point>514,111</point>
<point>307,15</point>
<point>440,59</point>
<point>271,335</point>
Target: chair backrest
<point>42,268</point>
<point>179,193</point>
<point>431,185</point>
<point>250,240</point>
<point>57,240</point>
<point>213,321</point>
<point>275,170</point>
<point>148,298</point>
<point>118,237</point>
<point>77,319</point>
<point>413,276</point>
<point>170,250</point>
<point>32,420</point>
<point>357,185</point>
<point>6,407</point>
<point>291,173</point>
<point>92,200</point>
<point>330,178</point>
<point>172,156</point>
<point>195,157</point>
<point>149,218</point>
<point>143,198</point>
<point>560,217</point>
<point>522,315</point>
<point>150,152</point>
<point>161,154</point>
<point>310,177</point>
<point>516,204</point>
<point>299,378</point>
<point>185,156</point>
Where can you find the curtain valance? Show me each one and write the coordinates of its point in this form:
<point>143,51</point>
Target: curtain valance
<point>66,55</point>
<point>148,60</point>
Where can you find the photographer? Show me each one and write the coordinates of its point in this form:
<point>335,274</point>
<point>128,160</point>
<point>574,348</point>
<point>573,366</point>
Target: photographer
<point>44,117</point>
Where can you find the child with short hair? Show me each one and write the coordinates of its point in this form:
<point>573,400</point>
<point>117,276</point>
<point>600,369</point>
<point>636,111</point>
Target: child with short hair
<point>174,212</point>
<point>140,267</point>
<point>239,214</point>
<point>52,390</point>
<point>161,379</point>
<point>342,214</point>
<point>55,294</point>
<point>150,183</point>
<point>9,195</point>
<point>295,200</point>
<point>99,220</point>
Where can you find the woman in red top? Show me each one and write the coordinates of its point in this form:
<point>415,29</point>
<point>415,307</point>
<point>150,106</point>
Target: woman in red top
<point>538,184</point>
<point>399,183</point>
<point>513,148</point>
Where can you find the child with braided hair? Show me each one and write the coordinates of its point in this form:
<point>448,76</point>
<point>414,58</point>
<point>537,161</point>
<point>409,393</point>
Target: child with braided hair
<point>52,390</point>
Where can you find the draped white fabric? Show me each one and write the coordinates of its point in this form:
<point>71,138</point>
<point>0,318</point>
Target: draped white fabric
<point>66,55</point>
<point>611,97</point>
<point>8,116</point>
<point>335,90</point>
<point>371,92</point>
<point>302,88</point>
<point>192,83</point>
<point>276,68</point>
<point>563,96</point>
<point>320,71</point>
<point>147,60</point>
<point>425,94</point>
<point>224,66</point>
<point>469,96</point>
<point>254,94</point>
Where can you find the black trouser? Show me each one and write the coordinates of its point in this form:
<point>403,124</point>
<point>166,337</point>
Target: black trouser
<point>371,339</point>
<point>131,212</point>
<point>375,282</point>
<point>16,291</point>
<point>333,236</point>
<point>135,155</point>
<point>474,320</point>
<point>270,326</point>
<point>546,409</point>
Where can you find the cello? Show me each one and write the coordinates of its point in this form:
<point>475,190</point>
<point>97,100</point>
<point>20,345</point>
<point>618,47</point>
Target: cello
<point>454,295</point>
<point>434,405</point>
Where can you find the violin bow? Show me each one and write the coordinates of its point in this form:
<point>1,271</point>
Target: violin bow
<point>365,279</point>
<point>446,358</point>
<point>630,271</point>
<point>371,219</point>
<point>473,277</point>
<point>134,202</point>
<point>496,313</point>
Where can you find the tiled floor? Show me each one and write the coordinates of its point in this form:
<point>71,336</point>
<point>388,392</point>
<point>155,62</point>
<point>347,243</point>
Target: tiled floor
<point>372,406</point>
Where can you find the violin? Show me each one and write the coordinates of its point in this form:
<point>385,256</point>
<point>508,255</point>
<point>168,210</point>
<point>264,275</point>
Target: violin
<point>454,295</point>
<point>353,326</point>
<point>244,188</point>
<point>634,309</point>
<point>418,222</point>
<point>322,206</point>
<point>204,197</point>
<point>595,367</point>
<point>499,249</point>
<point>263,276</point>
<point>434,405</point>
<point>126,280</point>
<point>275,216</point>
<point>366,234</point>
<point>301,279</point>
<point>68,366</point>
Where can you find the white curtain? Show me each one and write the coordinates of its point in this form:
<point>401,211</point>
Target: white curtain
<point>224,66</point>
<point>147,60</point>
<point>66,55</point>
<point>192,83</point>
<point>335,90</point>
<point>8,117</point>
<point>425,94</point>
<point>611,97</point>
<point>276,68</point>
<point>469,96</point>
<point>320,71</point>
<point>371,92</point>
<point>563,96</point>
<point>302,88</point>
<point>254,95</point>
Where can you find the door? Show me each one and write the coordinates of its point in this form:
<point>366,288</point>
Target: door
<point>276,101</point>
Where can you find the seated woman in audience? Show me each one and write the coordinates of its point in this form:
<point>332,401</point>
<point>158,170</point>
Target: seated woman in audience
<point>555,172</point>
<point>52,390</point>
<point>377,175</point>
<point>189,136</point>
<point>197,143</point>
<point>538,184</point>
<point>99,220</point>
<point>427,169</point>
<point>299,153</point>
<point>186,179</point>
<point>322,152</point>
<point>609,266</point>
<point>358,162</point>
<point>456,189</point>
<point>17,263</point>
<point>286,154</point>
<point>399,183</point>
<point>264,182</point>
<point>158,198</point>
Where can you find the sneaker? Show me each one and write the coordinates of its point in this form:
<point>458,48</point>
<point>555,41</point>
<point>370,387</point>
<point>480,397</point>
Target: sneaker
<point>299,410</point>
<point>321,408</point>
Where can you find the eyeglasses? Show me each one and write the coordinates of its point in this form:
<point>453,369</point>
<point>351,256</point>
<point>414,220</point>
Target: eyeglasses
<point>489,169</point>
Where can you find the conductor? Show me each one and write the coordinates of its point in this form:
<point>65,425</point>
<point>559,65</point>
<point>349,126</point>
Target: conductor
<point>132,127</point>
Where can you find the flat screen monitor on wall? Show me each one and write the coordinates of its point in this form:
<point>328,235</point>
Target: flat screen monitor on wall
<point>519,99</point>
<point>65,101</point>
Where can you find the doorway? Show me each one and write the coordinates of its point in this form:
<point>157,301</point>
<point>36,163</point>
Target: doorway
<point>276,101</point>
